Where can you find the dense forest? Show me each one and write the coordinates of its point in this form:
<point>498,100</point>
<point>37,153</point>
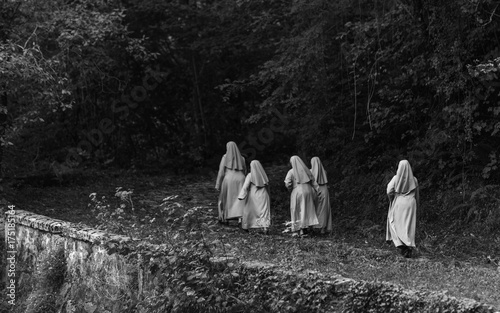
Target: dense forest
<point>166,83</point>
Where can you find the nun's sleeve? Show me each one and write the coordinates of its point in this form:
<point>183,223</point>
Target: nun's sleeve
<point>315,185</point>
<point>417,193</point>
<point>246,186</point>
<point>220,175</point>
<point>391,186</point>
<point>391,189</point>
<point>289,180</point>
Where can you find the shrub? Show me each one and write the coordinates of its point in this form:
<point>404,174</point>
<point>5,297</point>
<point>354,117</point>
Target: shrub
<point>47,279</point>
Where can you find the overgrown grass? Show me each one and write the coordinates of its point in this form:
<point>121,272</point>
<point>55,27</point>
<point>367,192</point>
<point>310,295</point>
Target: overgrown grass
<point>449,259</point>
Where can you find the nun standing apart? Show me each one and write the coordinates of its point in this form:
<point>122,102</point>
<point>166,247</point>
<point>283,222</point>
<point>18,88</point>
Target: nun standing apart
<point>323,209</point>
<point>403,195</point>
<point>304,189</point>
<point>254,199</point>
<point>230,179</point>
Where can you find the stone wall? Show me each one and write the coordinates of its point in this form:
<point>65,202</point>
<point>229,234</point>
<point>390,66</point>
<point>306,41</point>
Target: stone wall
<point>65,267</point>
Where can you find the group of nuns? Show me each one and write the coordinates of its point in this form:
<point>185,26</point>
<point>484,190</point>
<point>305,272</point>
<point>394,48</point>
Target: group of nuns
<point>245,198</point>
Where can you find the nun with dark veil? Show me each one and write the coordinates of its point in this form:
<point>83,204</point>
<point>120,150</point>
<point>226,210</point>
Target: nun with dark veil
<point>255,200</point>
<point>300,181</point>
<point>230,179</point>
<point>323,209</point>
<point>403,193</point>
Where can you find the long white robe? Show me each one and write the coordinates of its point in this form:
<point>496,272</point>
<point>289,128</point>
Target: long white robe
<point>230,182</point>
<point>255,204</point>
<point>323,209</point>
<point>402,215</point>
<point>302,202</point>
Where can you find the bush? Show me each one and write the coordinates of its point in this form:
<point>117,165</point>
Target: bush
<point>375,297</point>
<point>48,278</point>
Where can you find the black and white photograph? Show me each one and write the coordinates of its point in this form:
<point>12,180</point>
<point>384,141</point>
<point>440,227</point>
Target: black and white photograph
<point>244,156</point>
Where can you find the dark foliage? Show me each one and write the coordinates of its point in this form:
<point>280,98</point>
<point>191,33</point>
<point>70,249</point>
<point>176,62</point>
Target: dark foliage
<point>361,84</point>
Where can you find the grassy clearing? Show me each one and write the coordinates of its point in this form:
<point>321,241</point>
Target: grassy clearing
<point>338,256</point>
<point>449,262</point>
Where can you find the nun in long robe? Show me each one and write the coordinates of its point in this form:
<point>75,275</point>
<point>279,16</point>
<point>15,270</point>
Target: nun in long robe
<point>403,192</point>
<point>301,182</point>
<point>255,200</point>
<point>323,209</point>
<point>230,179</point>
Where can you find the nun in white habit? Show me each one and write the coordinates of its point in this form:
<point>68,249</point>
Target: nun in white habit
<point>323,209</point>
<point>232,170</point>
<point>403,192</point>
<point>301,182</point>
<point>255,200</point>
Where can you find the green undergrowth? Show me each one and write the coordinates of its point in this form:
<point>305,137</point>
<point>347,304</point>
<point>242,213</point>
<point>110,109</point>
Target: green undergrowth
<point>40,292</point>
<point>380,297</point>
<point>453,259</point>
<point>185,277</point>
<point>186,281</point>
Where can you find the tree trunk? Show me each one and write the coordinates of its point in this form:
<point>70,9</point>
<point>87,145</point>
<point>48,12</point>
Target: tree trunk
<point>197,104</point>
